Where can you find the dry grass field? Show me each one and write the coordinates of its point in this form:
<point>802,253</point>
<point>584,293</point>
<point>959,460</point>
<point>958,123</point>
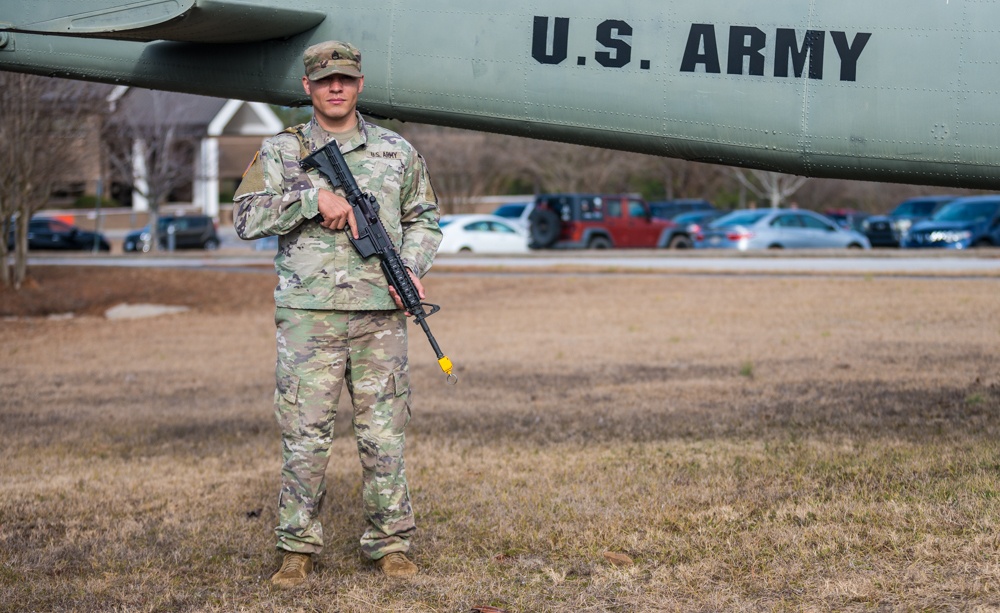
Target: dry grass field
<point>616,443</point>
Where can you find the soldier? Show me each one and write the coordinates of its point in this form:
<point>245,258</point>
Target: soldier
<point>338,321</point>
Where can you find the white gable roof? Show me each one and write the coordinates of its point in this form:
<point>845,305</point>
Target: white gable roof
<point>245,118</point>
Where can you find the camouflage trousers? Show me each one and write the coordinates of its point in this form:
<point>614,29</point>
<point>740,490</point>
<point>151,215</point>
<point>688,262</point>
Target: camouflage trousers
<point>318,353</point>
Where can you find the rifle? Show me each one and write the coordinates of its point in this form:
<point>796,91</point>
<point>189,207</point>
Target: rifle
<point>374,240</point>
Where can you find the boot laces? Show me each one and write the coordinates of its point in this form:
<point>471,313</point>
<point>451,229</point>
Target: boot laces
<point>293,563</point>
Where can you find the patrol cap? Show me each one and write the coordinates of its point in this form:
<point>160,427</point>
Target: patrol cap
<point>332,57</point>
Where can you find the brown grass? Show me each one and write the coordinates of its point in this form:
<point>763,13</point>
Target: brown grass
<point>753,444</point>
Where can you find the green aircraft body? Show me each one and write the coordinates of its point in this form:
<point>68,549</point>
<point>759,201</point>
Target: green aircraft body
<point>900,90</point>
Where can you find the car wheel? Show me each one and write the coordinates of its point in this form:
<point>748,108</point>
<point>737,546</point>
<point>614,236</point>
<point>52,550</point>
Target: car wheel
<point>982,243</point>
<point>465,250</point>
<point>855,246</point>
<point>680,242</point>
<point>211,244</point>
<point>599,242</point>
<point>775,246</point>
<point>545,227</point>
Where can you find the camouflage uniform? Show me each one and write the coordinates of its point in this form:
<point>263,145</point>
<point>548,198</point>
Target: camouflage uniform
<point>337,323</point>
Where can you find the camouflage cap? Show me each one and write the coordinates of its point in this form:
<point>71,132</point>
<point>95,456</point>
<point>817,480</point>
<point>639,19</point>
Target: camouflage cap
<point>332,57</point>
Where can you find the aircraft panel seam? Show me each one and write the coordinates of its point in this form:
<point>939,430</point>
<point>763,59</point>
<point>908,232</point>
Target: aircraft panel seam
<point>958,85</point>
<point>390,54</point>
<point>805,142</point>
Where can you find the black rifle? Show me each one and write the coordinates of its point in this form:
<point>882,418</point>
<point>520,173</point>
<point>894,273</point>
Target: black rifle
<point>374,240</point>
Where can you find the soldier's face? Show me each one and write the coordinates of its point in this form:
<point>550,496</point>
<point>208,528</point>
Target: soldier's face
<point>334,99</point>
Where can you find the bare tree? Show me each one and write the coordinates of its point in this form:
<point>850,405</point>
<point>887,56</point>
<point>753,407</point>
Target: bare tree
<point>151,147</point>
<point>41,126</point>
<point>867,196</point>
<point>467,164</point>
<point>462,162</point>
<point>562,167</point>
<point>775,187</point>
<point>683,179</point>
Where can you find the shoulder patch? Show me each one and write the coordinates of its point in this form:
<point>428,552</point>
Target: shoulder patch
<point>253,179</point>
<point>256,156</point>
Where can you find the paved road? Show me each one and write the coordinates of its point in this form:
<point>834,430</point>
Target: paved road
<point>980,263</point>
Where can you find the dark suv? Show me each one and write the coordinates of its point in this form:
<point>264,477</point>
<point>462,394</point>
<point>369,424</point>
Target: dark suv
<point>595,221</point>
<point>960,224</point>
<point>189,231</point>
<point>890,230</point>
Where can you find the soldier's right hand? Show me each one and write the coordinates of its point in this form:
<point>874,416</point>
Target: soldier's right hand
<point>337,212</point>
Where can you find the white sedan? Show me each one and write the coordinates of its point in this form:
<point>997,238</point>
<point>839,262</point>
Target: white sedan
<point>481,234</point>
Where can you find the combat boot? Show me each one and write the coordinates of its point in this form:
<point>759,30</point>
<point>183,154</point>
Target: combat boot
<point>293,571</point>
<point>396,565</point>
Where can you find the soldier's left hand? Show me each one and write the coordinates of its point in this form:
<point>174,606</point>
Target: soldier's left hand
<point>416,284</point>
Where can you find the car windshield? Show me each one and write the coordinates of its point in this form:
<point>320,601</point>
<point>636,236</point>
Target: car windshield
<point>916,208</point>
<point>510,211</point>
<point>739,218</point>
<point>968,211</point>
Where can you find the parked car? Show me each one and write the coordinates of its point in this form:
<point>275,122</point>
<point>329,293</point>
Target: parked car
<point>689,225</point>
<point>960,224</point>
<point>849,219</point>
<point>668,209</point>
<point>190,232</point>
<point>889,230</point>
<point>481,234</point>
<point>595,221</point>
<point>516,212</point>
<point>45,233</point>
<point>778,229</point>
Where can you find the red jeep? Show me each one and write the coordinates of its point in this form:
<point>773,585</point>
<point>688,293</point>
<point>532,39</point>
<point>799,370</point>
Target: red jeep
<point>596,221</point>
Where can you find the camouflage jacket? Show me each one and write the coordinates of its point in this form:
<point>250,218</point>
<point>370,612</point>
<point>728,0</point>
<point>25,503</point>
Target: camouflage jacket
<point>319,268</point>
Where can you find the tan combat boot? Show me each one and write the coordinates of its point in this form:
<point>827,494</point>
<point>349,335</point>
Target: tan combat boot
<point>396,565</point>
<point>293,571</point>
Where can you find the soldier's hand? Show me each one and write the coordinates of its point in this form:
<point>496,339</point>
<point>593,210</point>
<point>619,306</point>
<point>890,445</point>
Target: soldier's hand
<point>416,284</point>
<point>337,212</point>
